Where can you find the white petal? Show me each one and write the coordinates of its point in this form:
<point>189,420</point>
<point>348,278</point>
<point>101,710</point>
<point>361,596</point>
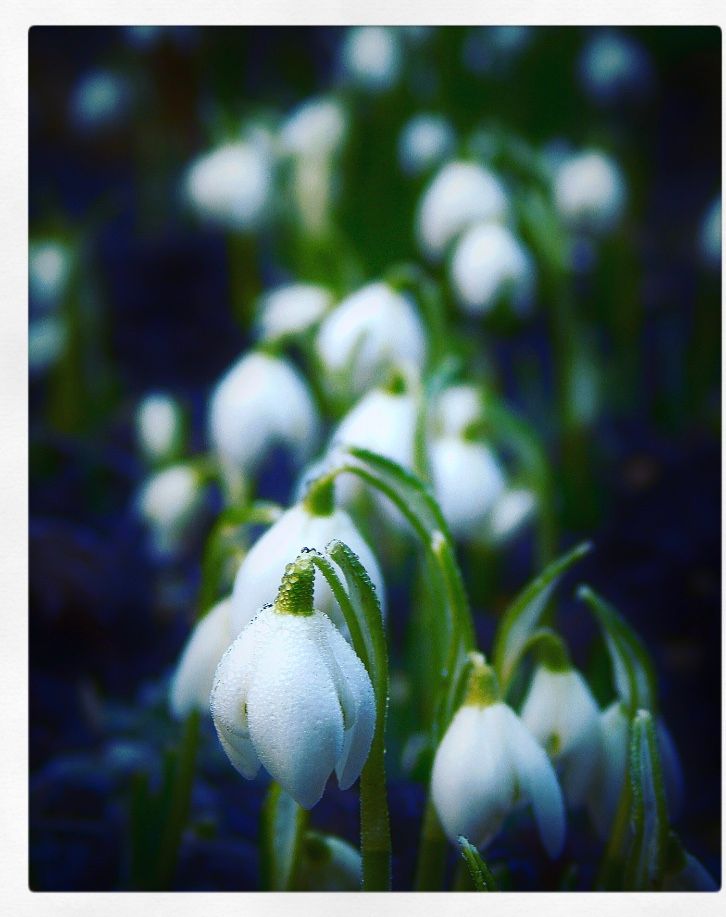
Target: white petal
<point>240,750</point>
<point>605,794</point>
<point>192,682</point>
<point>295,719</point>
<point>538,782</point>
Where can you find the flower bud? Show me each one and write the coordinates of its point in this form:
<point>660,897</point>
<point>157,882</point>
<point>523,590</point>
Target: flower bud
<point>371,57</point>
<point>425,142</point>
<point>291,310</point>
<point>170,503</point>
<point>589,192</point>
<point>192,681</point>
<point>487,764</point>
<point>563,716</point>
<point>300,527</point>
<point>49,270</point>
<point>261,402</point>
<point>159,427</point>
<point>291,694</point>
<point>489,265</point>
<point>461,194</point>
<point>369,332</point>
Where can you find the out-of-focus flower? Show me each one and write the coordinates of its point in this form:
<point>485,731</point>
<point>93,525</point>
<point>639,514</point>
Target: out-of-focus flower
<point>493,50</point>
<point>513,508</point>
<point>369,332</point>
<point>259,575</point>
<point>488,763</point>
<point>291,310</point>
<point>328,864</point>
<point>170,503</point>
<point>232,184</point>
<point>425,141</point>
<point>191,684</point>
<point>710,235</point>
<point>101,99</point>
<point>468,481</point>
<point>314,129</point>
<point>47,336</point>
<point>489,265</point>
<point>382,421</point>
<point>159,427</point>
<point>371,57</point>
<point>455,409</point>
<point>461,194</point>
<point>589,192</point>
<point>291,694</point>
<point>49,272</point>
<point>262,401</point>
<point>614,67</point>
<point>563,716</point>
<point>610,776</point>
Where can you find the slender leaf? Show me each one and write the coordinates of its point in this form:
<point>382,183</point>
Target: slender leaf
<point>480,873</point>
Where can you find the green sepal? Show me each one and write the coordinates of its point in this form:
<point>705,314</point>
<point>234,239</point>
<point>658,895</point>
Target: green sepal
<point>282,827</point>
<point>480,873</point>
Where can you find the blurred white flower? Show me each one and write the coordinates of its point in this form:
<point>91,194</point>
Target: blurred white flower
<point>291,694</point>
<point>170,502</point>
<point>159,427</point>
<point>467,480</point>
<point>291,309</point>
<point>610,775</point>
<point>490,264</point>
<point>383,422</point>
<point>513,508</point>
<point>425,141</point>
<point>456,408</point>
<point>461,194</point>
<point>99,100</point>
<point>314,129</point>
<point>710,235</point>
<point>261,402</point>
<point>328,864</point>
<point>192,681</point>
<point>371,331</point>
<point>371,57</point>
<point>589,191</point>
<point>49,269</point>
<point>259,575</point>
<point>47,338</point>
<point>487,764</point>
<point>614,67</point>
<point>563,716</point>
<point>232,184</point>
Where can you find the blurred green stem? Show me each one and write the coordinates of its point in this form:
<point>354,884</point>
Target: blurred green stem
<point>431,863</point>
<point>244,277</point>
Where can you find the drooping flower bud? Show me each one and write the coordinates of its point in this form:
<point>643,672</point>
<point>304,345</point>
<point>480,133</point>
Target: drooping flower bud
<point>589,192</point>
<point>290,310</point>
<point>316,129</point>
<point>371,57</point>
<point>170,502</point>
<point>159,427</point>
<point>291,694</point>
<point>425,142</point>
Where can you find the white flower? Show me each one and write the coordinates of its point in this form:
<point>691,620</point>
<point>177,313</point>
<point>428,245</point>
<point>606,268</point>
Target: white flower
<point>487,764</point>
<point>589,192</point>
<point>262,401</point>
<point>513,508</point>
<point>456,408</point>
<point>461,194</point>
<point>292,309</point>
<point>47,336</point>
<point>315,129</point>
<point>710,235</point>
<point>232,184</point>
<point>292,695</point>
<point>170,503</point>
<point>99,100</point>
<point>49,270</point>
<point>370,331</point>
<point>563,716</point>
<point>158,426</point>
<point>371,57</point>
<point>613,67</point>
<point>383,422</point>
<point>328,864</point>
<point>489,264</point>
<point>191,684</point>
<point>259,575</point>
<point>425,141</point>
<point>467,481</point>
<point>615,743</point>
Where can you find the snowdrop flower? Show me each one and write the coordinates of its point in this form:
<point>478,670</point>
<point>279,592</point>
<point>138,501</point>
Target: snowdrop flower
<point>159,427</point>
<point>99,100</point>
<point>610,776</point>
<point>315,129</point>
<point>371,57</point>
<point>468,480</point>
<point>589,192</point>
<point>487,763</point>
<point>231,185</point>
<point>49,272</point>
<point>291,694</point>
<point>191,684</point>
<point>425,141</point>
<point>614,67</point>
<point>510,512</point>
<point>291,310</point>
<point>47,336</point>
<point>490,264</point>
<point>309,524</point>
<point>461,194</point>
<point>710,235</point>
<point>369,332</point>
<point>170,502</point>
<point>328,864</point>
<point>564,717</point>
<point>457,408</point>
<point>262,401</point>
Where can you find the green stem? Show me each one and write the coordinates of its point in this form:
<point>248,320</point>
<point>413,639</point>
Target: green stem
<point>375,831</point>
<point>245,284</point>
<point>431,863</point>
